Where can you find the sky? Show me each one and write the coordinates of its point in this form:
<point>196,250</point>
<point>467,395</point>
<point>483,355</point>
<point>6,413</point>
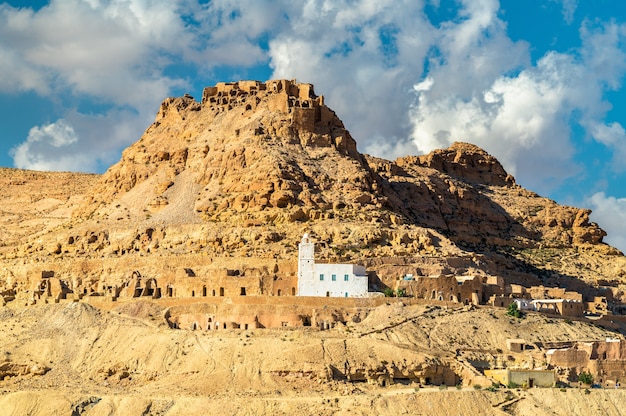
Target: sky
<point>539,84</point>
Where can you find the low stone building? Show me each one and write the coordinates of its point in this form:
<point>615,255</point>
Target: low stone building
<point>523,378</point>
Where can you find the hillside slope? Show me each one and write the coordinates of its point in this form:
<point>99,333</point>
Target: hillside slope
<point>59,359</point>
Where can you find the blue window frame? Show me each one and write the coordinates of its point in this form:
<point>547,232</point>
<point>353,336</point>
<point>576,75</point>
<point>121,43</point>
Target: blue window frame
<point>333,277</point>
<point>346,277</point>
<point>321,277</point>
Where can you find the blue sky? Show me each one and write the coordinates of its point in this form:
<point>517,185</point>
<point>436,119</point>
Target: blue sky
<point>537,83</point>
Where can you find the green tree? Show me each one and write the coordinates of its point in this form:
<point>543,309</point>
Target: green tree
<point>513,310</point>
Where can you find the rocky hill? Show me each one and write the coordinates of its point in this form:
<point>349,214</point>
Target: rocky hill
<point>246,171</point>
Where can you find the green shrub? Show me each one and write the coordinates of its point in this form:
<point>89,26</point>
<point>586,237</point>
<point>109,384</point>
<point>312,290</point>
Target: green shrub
<point>493,387</point>
<point>585,377</point>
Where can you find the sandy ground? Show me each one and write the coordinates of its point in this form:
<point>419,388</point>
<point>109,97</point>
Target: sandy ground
<point>127,362</point>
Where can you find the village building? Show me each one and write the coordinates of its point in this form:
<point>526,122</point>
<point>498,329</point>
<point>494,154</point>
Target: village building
<point>522,377</point>
<point>330,280</point>
<point>563,307</point>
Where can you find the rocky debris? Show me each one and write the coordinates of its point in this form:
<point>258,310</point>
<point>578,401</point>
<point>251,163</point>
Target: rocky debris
<point>117,364</point>
<point>10,369</point>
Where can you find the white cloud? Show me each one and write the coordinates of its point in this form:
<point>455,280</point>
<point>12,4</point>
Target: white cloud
<point>41,141</point>
<point>568,9</point>
<point>113,53</point>
<point>79,142</point>
<point>610,213</point>
<point>116,54</point>
<point>512,118</point>
<point>523,118</point>
<point>112,50</point>
<point>399,83</point>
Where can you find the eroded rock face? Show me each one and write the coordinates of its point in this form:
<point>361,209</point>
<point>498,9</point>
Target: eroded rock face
<point>469,163</point>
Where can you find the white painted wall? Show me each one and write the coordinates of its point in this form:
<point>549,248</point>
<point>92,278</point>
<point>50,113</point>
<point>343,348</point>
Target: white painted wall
<point>350,280</point>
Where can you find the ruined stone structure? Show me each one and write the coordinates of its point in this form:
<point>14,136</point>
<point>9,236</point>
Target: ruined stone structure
<point>605,360</point>
<point>219,314</point>
<point>432,372</point>
<point>457,289</point>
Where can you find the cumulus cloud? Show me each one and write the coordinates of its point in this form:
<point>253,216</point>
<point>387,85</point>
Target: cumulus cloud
<point>610,213</point>
<point>521,116</point>
<point>568,9</point>
<point>79,142</point>
<point>112,50</point>
<point>113,53</point>
<point>41,141</point>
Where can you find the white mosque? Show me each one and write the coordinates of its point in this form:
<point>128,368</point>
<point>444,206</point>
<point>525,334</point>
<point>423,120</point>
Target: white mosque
<point>331,280</point>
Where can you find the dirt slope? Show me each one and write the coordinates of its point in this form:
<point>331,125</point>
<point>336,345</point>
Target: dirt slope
<point>75,357</point>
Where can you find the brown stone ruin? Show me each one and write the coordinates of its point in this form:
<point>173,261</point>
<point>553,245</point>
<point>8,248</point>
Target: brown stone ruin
<point>383,374</point>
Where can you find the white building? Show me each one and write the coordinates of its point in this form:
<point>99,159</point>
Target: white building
<point>334,280</point>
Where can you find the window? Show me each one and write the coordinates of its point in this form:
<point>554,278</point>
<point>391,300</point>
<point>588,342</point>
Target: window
<point>321,277</point>
<point>346,277</point>
<point>333,277</point>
